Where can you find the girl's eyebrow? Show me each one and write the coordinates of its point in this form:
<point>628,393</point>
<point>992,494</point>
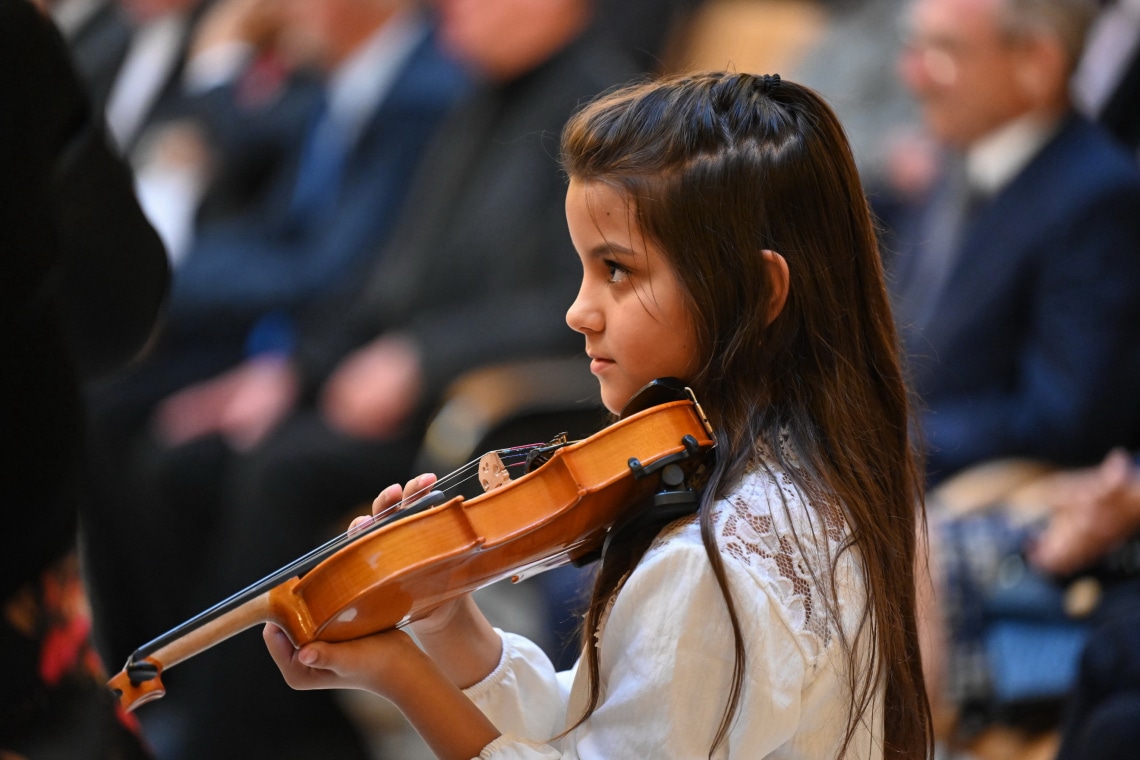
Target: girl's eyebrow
<point>602,250</point>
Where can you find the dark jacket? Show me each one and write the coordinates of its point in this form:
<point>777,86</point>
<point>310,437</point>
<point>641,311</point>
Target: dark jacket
<point>1033,347</point>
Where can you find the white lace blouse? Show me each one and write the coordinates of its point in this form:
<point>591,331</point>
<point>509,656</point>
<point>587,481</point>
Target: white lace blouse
<point>666,647</point>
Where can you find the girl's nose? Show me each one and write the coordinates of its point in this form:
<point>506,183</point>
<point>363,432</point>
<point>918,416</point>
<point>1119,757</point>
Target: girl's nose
<point>581,316</point>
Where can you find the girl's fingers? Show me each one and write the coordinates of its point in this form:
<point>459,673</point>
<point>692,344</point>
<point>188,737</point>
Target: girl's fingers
<point>393,494</point>
<point>416,487</point>
<point>281,650</point>
<point>300,667</point>
<point>387,498</point>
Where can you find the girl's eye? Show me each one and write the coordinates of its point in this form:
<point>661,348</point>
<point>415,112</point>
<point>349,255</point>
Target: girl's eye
<point>617,271</point>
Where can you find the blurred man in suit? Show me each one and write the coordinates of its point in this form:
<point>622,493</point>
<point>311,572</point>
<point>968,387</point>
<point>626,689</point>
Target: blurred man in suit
<point>1017,286</point>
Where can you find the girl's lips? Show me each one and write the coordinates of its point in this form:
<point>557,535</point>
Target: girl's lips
<point>598,364</point>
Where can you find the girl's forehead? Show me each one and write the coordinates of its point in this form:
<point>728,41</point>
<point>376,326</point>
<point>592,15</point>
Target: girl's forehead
<point>601,195</point>
<point>597,209</point>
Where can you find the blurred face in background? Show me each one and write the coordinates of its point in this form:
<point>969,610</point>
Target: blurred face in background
<point>964,66</point>
<point>142,11</point>
<point>323,33</point>
<point>503,39</point>
<point>306,28</point>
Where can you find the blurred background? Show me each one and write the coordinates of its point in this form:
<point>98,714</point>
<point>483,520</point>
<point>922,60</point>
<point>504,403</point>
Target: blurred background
<point>361,203</point>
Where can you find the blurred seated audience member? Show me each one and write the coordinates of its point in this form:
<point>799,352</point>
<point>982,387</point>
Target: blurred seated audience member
<point>1095,520</point>
<point>352,131</point>
<point>148,54</point>
<point>131,56</point>
<point>134,79</point>
<point>1083,547</point>
<point>84,282</point>
<point>1017,284</point>
<point>1106,85</point>
<point>147,81</point>
<point>1037,573</point>
<point>254,467</point>
<point>375,85</point>
<point>238,128</point>
<point>1016,287</point>
<point>98,33</point>
<point>136,53</point>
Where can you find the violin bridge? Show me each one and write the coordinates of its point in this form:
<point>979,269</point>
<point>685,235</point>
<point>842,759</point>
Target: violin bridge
<point>492,472</point>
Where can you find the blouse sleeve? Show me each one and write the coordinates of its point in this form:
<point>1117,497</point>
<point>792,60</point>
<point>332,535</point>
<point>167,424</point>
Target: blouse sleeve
<point>523,696</point>
<point>666,671</point>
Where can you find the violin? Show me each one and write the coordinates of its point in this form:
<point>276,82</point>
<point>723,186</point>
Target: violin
<point>428,549</point>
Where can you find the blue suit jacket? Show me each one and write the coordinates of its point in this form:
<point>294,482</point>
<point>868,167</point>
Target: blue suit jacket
<point>1033,348</point>
<point>241,267</point>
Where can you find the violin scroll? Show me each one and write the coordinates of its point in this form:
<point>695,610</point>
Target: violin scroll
<point>138,682</point>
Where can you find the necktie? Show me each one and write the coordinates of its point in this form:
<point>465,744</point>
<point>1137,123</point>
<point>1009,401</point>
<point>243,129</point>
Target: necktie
<point>320,171</point>
<point>942,234</point>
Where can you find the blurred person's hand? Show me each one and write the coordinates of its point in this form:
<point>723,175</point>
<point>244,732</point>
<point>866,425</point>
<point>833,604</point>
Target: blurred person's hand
<point>1094,510</point>
<point>242,405</point>
<point>374,390</point>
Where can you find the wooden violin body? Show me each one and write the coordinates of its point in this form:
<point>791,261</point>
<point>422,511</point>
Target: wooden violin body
<point>388,577</point>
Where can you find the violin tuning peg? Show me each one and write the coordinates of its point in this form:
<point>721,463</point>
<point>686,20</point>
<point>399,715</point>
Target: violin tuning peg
<point>142,671</point>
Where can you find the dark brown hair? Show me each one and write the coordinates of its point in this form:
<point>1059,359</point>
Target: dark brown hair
<point>718,167</point>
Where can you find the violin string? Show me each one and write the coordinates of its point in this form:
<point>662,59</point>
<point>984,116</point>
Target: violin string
<point>516,456</point>
<point>513,457</point>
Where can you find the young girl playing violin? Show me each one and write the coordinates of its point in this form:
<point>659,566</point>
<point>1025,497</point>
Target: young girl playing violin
<point>724,241</point>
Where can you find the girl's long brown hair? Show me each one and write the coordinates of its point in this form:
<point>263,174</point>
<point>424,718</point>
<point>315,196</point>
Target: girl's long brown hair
<point>717,168</point>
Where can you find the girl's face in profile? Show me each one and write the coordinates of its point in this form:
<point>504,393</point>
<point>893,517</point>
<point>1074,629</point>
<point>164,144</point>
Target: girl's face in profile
<point>631,306</point>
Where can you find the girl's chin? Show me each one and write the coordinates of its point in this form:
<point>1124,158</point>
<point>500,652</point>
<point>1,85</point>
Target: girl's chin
<point>615,399</point>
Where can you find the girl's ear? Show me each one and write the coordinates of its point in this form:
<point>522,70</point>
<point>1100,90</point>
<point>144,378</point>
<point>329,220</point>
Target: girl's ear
<point>777,268</point>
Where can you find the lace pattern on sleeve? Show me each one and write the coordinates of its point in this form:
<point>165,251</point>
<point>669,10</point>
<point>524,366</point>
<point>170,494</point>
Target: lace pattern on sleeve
<point>789,536</point>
